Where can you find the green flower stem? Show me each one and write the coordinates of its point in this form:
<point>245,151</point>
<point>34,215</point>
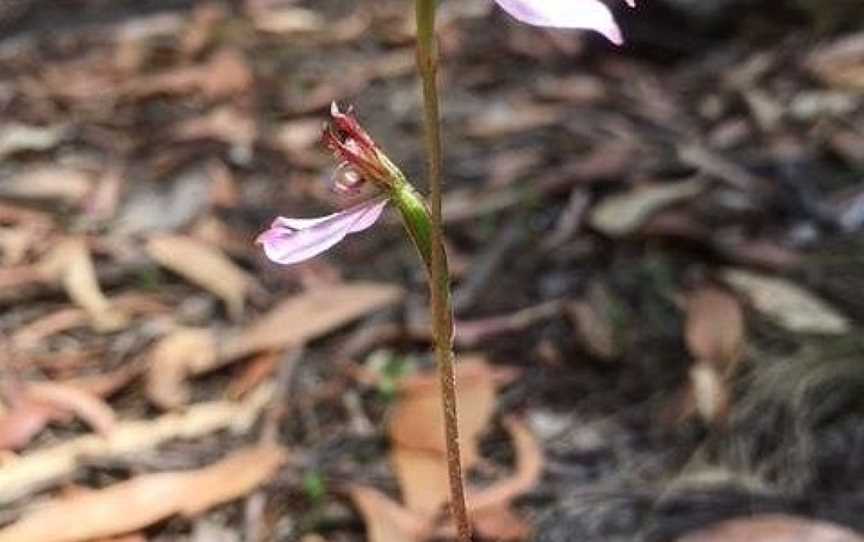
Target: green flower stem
<point>439,276</point>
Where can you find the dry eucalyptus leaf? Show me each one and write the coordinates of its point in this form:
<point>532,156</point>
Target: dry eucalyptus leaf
<point>287,20</point>
<point>623,214</point>
<point>182,353</point>
<point>71,264</point>
<point>387,521</point>
<point>708,391</point>
<point>67,185</point>
<point>205,266</point>
<point>309,315</point>
<point>773,528</point>
<point>714,329</point>
<point>86,406</point>
<point>41,468</point>
<point>417,429</point>
<point>789,305</point>
<point>16,138</point>
<point>841,64</point>
<point>147,499</point>
<point>22,423</point>
<point>491,508</point>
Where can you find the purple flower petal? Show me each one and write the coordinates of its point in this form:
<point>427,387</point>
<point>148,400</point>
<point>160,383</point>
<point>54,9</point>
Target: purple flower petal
<point>587,14</point>
<point>293,240</point>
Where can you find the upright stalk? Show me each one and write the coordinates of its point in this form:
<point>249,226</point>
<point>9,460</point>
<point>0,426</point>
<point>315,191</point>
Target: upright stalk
<point>439,283</point>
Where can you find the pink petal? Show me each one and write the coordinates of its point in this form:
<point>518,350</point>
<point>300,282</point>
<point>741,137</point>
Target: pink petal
<point>293,240</point>
<point>587,14</point>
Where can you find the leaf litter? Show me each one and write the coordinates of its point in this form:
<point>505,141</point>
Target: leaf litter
<point>109,145</point>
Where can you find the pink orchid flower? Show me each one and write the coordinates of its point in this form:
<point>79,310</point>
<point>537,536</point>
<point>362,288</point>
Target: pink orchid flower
<point>293,240</point>
<point>587,14</point>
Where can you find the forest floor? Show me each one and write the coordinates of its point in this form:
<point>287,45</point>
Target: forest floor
<point>658,276</point>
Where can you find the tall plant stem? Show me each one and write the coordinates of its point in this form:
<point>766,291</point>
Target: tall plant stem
<point>439,281</point>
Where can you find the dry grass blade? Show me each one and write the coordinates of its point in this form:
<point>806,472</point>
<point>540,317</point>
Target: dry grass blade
<point>144,500</point>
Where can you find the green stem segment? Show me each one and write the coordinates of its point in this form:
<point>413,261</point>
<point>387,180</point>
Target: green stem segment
<point>439,276</point>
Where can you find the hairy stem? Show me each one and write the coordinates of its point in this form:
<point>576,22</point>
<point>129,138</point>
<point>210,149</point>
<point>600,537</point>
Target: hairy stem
<point>439,280</point>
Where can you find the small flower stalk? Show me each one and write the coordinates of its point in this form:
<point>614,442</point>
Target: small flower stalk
<point>363,168</point>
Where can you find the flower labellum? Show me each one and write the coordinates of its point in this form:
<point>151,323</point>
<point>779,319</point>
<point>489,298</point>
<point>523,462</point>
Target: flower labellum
<point>587,14</point>
<point>293,240</point>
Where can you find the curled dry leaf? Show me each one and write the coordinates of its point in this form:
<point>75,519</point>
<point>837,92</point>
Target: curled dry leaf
<point>40,403</point>
<point>387,521</point>
<point>22,423</point>
<point>789,305</point>
<point>714,329</point>
<point>491,508</point>
<point>417,426</point>
<point>623,214</point>
<point>71,264</point>
<point>86,406</point>
<point>180,354</point>
<point>773,528</point>
<point>46,466</point>
<point>204,265</point>
<point>146,499</point>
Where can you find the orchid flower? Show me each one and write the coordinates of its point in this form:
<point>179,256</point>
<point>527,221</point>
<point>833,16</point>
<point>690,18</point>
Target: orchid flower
<point>587,14</point>
<point>361,164</point>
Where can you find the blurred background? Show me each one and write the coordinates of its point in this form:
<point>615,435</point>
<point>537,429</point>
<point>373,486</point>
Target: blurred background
<point>656,250</point>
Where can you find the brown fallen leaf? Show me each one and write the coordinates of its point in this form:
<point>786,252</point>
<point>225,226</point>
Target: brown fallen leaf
<point>386,520</point>
<point>773,528</point>
<point>67,318</point>
<point>789,305</point>
<point>491,508</point>
<point>22,423</point>
<point>147,499</point>
<point>594,324</point>
<point>172,359</point>
<point>840,63</point>
<point>416,429</point>
<point>227,124</point>
<point>205,266</point>
<point>70,263</point>
<point>304,317</point>
<point>286,20</point>
<point>707,395</point>
<point>16,137</point>
<point>86,406</point>
<point>226,74</point>
<point>46,466</point>
<point>714,329</point>
<point>49,183</point>
<point>623,214</point>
